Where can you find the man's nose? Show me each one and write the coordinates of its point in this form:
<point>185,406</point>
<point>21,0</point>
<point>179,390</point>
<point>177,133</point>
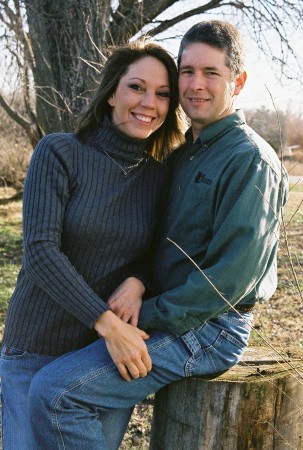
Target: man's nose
<point>197,82</point>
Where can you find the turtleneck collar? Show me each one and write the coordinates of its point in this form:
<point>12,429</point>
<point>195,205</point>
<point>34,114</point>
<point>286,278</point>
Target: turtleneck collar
<point>117,144</point>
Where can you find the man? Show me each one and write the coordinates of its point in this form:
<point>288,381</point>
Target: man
<point>215,259</point>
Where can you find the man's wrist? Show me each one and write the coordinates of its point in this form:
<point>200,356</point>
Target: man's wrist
<point>139,283</point>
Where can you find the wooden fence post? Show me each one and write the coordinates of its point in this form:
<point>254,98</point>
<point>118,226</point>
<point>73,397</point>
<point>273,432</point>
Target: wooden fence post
<point>257,405</point>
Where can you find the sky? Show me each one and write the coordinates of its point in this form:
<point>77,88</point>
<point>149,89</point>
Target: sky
<point>263,87</point>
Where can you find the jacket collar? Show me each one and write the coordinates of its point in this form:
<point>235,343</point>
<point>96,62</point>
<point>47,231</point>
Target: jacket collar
<point>215,130</point>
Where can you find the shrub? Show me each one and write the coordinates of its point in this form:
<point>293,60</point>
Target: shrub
<point>15,152</point>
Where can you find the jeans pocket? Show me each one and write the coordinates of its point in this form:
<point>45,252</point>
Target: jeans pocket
<point>12,353</point>
<point>232,339</point>
<point>217,346</point>
<point>243,319</point>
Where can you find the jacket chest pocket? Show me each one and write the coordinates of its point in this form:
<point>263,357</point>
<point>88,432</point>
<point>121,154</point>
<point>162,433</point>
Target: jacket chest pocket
<point>189,214</point>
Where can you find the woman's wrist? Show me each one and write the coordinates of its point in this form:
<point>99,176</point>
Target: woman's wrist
<point>106,323</point>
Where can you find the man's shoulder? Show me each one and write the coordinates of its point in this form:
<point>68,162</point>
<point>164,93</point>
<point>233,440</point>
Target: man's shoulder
<point>259,148</point>
<point>174,155</point>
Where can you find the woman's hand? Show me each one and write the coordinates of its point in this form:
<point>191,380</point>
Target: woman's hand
<point>126,345</point>
<point>126,300</point>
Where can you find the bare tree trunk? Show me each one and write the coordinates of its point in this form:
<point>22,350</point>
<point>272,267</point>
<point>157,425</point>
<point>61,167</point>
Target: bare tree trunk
<point>258,405</point>
<point>62,34</point>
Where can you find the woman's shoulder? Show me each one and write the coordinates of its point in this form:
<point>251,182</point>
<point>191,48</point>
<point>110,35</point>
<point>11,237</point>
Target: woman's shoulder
<point>59,144</point>
<point>59,139</point>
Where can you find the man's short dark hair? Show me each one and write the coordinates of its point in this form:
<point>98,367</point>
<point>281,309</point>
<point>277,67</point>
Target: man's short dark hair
<point>221,35</point>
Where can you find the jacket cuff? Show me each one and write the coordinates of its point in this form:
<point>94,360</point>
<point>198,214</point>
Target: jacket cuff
<point>148,316</point>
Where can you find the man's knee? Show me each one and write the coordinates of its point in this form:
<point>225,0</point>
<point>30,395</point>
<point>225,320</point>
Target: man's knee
<point>39,394</point>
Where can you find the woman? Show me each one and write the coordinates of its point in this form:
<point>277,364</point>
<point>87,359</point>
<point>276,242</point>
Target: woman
<point>90,208</point>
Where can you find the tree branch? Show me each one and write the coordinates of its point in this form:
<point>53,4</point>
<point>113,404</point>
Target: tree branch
<point>20,120</point>
<point>30,128</point>
<point>166,24</point>
<point>129,19</point>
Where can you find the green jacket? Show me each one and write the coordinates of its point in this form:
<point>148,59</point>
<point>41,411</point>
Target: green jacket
<point>224,208</point>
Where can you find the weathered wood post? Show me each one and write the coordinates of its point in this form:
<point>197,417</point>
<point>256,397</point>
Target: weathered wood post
<point>257,405</point>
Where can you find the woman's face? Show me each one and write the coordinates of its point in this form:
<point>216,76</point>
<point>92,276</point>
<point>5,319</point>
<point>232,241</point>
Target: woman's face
<point>141,101</point>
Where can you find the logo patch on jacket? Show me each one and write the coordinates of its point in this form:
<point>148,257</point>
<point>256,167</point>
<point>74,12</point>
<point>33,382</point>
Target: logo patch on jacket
<point>201,178</point>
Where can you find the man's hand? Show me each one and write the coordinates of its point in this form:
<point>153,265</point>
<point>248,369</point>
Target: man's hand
<point>126,300</point>
<point>126,345</point>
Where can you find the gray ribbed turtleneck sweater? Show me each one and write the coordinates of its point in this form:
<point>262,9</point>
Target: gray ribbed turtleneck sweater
<point>86,226</point>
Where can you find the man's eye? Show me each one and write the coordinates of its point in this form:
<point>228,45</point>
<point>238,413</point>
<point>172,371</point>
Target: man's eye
<point>186,71</point>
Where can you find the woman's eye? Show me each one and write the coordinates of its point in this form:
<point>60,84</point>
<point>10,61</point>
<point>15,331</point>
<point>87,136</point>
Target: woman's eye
<point>164,94</point>
<point>136,87</point>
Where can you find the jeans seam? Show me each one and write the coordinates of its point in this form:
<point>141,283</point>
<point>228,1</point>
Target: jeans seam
<point>232,339</point>
<point>74,385</point>
<point>162,343</point>
<point>189,366</point>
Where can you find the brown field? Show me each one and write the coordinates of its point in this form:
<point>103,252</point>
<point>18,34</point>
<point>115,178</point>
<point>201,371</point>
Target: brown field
<point>294,164</point>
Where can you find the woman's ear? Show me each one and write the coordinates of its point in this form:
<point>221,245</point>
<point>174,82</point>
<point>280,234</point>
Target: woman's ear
<point>111,100</point>
<point>240,82</point>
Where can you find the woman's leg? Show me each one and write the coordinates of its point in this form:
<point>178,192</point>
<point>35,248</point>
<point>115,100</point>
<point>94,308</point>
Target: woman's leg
<point>86,383</point>
<point>17,369</point>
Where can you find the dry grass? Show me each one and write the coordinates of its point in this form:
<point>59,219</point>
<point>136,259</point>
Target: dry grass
<point>280,320</point>
<point>294,164</point>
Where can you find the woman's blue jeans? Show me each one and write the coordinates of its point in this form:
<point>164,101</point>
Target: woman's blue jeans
<point>17,369</point>
<point>68,395</point>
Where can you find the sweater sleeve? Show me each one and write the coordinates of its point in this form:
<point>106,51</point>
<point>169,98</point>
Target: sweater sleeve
<point>241,255</point>
<point>46,193</point>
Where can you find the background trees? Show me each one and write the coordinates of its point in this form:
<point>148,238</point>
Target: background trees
<point>55,48</point>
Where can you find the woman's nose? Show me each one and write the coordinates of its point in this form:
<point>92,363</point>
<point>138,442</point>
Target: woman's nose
<point>149,100</point>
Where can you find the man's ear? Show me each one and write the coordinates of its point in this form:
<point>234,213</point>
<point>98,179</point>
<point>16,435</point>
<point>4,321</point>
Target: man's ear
<point>240,82</point>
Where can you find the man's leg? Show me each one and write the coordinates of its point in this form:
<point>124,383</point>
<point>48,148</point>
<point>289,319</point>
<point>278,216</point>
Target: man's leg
<point>114,423</point>
<point>86,383</point>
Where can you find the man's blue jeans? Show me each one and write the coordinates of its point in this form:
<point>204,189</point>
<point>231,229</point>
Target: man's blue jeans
<point>67,396</point>
<point>17,369</point>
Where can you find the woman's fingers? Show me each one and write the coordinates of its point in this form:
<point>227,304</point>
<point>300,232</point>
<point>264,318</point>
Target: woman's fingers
<point>135,370</point>
<point>126,345</point>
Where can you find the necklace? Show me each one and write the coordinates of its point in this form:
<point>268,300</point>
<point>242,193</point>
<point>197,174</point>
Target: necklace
<point>128,169</point>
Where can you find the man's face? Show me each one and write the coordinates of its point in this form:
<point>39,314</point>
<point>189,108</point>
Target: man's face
<point>206,86</point>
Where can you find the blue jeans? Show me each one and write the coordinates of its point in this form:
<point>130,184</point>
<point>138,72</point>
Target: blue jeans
<point>86,383</point>
<point>17,369</point>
